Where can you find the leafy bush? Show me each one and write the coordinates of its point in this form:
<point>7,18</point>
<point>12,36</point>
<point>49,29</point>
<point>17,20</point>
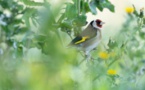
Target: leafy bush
<point>33,53</point>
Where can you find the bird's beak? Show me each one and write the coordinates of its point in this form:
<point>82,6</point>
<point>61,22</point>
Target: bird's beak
<point>102,23</point>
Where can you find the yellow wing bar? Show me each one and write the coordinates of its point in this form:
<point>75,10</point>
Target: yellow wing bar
<point>82,40</point>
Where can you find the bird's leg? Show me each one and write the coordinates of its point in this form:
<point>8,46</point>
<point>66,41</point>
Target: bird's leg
<point>92,59</point>
<point>87,56</point>
<point>83,55</point>
<point>95,49</point>
<point>89,59</point>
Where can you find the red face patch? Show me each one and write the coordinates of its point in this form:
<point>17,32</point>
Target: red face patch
<point>98,23</point>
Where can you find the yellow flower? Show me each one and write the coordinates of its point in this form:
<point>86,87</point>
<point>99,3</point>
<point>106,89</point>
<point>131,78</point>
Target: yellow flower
<point>111,72</point>
<point>129,10</point>
<point>103,55</point>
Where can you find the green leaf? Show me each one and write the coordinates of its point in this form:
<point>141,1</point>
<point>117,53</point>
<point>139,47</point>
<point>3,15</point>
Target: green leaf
<point>87,9</point>
<point>80,20</point>
<point>66,25</point>
<point>71,11</point>
<point>84,7</point>
<point>75,1</point>
<point>61,18</point>
<point>144,20</point>
<point>101,4</point>
<point>4,4</point>
<point>32,3</point>
<point>40,38</point>
<point>100,7</point>
<point>34,21</point>
<point>135,12</point>
<point>29,12</point>
<point>142,34</point>
<point>141,15</point>
<point>20,7</point>
<point>108,5</point>
<point>112,44</point>
<point>92,6</point>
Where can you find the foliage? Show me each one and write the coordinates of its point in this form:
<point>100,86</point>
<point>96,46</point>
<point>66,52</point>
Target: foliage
<point>33,53</point>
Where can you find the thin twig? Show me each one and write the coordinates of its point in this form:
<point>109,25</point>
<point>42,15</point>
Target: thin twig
<point>59,36</point>
<point>96,78</point>
<point>113,62</point>
<point>69,35</point>
<point>78,7</point>
<point>82,61</point>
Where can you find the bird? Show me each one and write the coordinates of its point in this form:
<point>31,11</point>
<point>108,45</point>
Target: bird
<point>89,38</point>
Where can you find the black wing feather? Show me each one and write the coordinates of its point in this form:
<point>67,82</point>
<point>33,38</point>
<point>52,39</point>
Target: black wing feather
<point>78,38</point>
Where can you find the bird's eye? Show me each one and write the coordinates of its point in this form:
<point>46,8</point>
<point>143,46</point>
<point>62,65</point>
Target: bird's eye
<point>98,22</point>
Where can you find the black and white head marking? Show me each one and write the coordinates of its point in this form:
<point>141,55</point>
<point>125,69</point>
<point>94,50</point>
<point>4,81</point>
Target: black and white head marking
<point>97,24</point>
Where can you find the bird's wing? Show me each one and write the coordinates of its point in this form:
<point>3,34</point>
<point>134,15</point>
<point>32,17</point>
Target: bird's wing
<point>84,36</point>
<point>79,39</point>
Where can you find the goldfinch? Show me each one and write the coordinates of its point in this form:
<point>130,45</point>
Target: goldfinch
<point>89,38</point>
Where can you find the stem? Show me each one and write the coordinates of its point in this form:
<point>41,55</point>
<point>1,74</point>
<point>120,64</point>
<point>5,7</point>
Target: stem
<point>111,63</point>
<point>69,33</point>
<point>0,32</point>
<point>78,7</point>
<point>96,77</point>
<point>59,36</point>
<point>114,60</point>
<point>81,61</point>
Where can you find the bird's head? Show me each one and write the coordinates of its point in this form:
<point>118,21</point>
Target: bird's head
<point>97,23</point>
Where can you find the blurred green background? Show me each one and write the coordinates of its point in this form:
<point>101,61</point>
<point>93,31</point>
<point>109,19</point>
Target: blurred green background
<point>34,54</point>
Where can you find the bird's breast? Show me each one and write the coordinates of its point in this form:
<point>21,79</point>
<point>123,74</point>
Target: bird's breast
<point>92,43</point>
